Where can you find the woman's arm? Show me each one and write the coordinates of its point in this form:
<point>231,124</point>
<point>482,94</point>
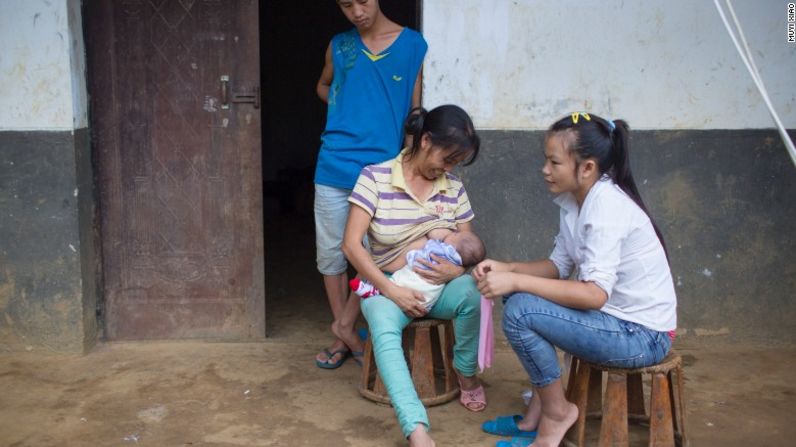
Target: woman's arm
<point>543,268</point>
<point>574,294</point>
<point>410,301</point>
<point>442,271</point>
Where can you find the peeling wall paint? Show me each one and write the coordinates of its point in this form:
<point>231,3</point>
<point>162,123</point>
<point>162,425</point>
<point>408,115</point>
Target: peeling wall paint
<point>521,64</point>
<point>42,68</point>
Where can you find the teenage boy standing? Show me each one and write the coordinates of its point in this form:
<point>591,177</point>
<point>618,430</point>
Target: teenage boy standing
<point>370,81</point>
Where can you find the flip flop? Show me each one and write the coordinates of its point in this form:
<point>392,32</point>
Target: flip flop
<point>473,400</point>
<point>333,365</point>
<point>516,442</point>
<point>357,356</point>
<point>506,426</point>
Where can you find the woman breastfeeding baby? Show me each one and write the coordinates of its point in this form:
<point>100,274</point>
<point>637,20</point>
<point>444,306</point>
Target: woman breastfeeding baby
<point>417,215</point>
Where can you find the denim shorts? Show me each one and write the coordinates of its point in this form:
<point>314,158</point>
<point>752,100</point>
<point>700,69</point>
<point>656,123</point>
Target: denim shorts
<point>331,214</point>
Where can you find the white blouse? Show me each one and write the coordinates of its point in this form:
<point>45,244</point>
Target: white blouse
<point>612,243</point>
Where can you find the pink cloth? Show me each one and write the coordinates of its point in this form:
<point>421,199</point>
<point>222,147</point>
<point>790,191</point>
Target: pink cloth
<point>486,336</point>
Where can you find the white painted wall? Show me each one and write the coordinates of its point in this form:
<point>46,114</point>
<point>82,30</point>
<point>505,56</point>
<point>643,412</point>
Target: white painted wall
<point>42,65</point>
<point>521,64</point>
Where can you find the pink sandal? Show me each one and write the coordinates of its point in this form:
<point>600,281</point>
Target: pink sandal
<point>473,400</point>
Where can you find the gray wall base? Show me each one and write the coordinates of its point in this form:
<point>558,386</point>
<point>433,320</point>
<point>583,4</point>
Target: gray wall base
<point>724,200</point>
<point>48,245</point>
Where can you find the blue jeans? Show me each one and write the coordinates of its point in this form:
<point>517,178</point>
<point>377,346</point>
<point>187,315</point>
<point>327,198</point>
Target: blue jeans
<point>460,301</point>
<point>534,326</point>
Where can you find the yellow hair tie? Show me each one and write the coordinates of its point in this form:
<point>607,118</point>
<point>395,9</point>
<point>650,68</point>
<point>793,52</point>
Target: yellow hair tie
<point>576,116</point>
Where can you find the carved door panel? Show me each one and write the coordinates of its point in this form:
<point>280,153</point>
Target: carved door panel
<point>175,119</point>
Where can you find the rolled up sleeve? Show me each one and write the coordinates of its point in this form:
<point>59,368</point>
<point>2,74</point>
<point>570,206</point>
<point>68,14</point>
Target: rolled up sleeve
<point>600,254</point>
<point>560,257</point>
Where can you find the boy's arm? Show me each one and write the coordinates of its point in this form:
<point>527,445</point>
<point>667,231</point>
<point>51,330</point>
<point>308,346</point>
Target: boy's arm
<point>418,89</point>
<point>325,81</point>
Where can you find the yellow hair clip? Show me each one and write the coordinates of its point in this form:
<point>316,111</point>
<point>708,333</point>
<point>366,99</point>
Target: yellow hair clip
<point>576,116</point>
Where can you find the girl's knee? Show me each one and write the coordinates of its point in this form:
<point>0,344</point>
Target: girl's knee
<point>517,308</point>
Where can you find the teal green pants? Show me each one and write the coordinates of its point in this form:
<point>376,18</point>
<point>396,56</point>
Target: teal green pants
<point>460,302</point>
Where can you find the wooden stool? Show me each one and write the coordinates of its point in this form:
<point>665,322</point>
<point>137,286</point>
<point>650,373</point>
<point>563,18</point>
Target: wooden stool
<point>624,400</point>
<point>428,348</point>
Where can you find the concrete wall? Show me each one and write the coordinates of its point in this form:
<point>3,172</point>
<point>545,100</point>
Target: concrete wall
<point>520,64</point>
<point>721,197</point>
<point>48,246</point>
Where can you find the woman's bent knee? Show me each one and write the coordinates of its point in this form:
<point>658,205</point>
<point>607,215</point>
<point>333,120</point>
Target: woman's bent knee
<point>464,287</point>
<point>517,307</point>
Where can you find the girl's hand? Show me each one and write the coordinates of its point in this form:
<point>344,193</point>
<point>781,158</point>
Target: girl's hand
<point>440,273</point>
<point>494,284</point>
<point>489,265</point>
<point>410,301</point>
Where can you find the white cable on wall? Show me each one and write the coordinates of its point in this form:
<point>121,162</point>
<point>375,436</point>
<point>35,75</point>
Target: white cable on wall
<point>748,60</point>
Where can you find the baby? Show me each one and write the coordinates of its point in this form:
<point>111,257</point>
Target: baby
<point>463,248</point>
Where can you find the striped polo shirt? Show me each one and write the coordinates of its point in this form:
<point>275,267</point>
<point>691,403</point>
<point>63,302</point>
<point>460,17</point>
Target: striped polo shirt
<point>398,217</point>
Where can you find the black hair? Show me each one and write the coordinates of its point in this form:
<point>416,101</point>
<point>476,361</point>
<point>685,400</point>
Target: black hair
<point>607,142</point>
<point>448,127</point>
<point>471,249</point>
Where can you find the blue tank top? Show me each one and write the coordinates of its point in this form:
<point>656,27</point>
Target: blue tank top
<point>369,99</point>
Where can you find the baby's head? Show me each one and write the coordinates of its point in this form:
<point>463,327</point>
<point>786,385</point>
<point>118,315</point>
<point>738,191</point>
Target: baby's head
<point>468,245</point>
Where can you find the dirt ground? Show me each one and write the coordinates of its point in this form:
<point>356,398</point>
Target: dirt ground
<point>272,394</point>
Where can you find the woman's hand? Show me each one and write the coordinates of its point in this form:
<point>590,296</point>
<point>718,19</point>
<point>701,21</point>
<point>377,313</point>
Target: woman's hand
<point>410,301</point>
<point>440,272</point>
<point>496,283</point>
<point>489,265</point>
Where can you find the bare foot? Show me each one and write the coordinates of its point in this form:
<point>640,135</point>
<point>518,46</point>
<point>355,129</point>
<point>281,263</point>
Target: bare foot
<point>336,346</point>
<point>420,437</point>
<point>349,336</point>
<point>553,427</point>
<point>530,420</point>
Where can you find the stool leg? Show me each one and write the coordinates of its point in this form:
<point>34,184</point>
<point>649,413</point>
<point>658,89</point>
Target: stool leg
<point>573,367</point>
<point>635,398</point>
<point>595,400</point>
<point>578,394</point>
<point>447,356</point>
<point>378,387</point>
<point>661,426</point>
<point>613,429</point>
<point>422,364</point>
<point>368,365</point>
<point>678,405</point>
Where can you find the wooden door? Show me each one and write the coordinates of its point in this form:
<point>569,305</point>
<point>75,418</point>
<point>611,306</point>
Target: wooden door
<point>179,170</point>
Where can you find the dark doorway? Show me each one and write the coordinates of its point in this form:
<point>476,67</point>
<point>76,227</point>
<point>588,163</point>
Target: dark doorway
<point>293,39</point>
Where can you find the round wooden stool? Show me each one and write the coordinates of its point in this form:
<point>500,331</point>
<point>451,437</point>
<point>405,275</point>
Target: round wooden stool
<point>624,401</point>
<point>428,348</point>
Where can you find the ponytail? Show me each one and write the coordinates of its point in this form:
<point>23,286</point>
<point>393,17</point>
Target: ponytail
<point>414,126</point>
<point>608,143</point>
<point>621,173</point>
